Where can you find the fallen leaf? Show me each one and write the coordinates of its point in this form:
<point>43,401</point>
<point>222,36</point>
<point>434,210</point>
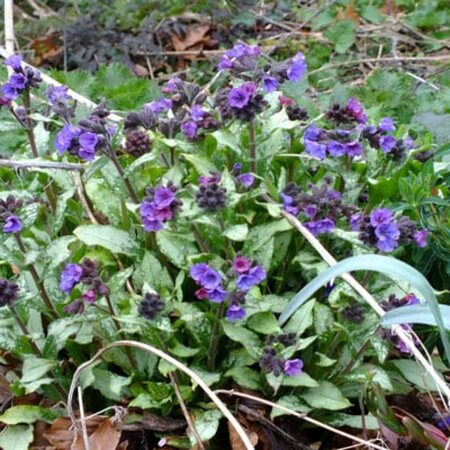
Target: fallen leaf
<point>236,442</point>
<point>349,13</point>
<point>195,36</point>
<point>105,437</point>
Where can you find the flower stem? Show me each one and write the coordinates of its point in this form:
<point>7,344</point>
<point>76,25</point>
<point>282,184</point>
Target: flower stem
<point>215,334</point>
<point>252,145</point>
<point>125,179</point>
<point>120,331</point>
<point>36,278</point>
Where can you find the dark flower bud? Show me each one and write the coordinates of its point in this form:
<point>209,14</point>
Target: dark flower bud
<point>8,293</point>
<point>353,313</point>
<point>150,306</point>
<point>296,113</point>
<point>270,362</point>
<point>211,197</point>
<point>76,307</point>
<point>100,111</point>
<point>287,339</point>
<point>169,127</point>
<point>423,156</point>
<point>137,143</point>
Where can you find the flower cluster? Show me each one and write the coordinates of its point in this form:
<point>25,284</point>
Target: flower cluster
<point>8,292</point>
<point>210,196</point>
<point>380,229</point>
<point>197,118</point>
<point>137,143</point>
<point>8,207</point>
<point>151,306</point>
<point>242,102</point>
<point>270,362</point>
<point>92,135</point>
<point>352,112</point>
<point>58,97</point>
<point>159,206</point>
<point>321,207</point>
<point>379,137</point>
<point>85,273</point>
<point>394,302</point>
<point>354,313</point>
<point>22,77</point>
<point>240,58</point>
<point>243,276</point>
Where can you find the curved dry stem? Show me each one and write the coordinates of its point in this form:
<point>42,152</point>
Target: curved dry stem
<point>148,348</point>
<point>398,330</point>
<point>300,416</point>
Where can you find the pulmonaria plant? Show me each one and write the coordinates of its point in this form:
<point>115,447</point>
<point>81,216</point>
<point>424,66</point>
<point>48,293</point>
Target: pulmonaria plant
<point>380,229</point>
<point>159,206</point>
<point>21,78</point>
<point>321,208</point>
<point>8,292</point>
<point>210,196</point>
<point>8,214</point>
<point>243,276</point>
<point>151,306</point>
<point>85,273</point>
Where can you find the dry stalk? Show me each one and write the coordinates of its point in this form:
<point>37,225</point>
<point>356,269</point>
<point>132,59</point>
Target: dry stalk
<point>300,416</point>
<point>148,348</point>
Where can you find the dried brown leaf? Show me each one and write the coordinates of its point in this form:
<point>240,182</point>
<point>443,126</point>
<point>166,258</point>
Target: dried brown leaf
<point>236,442</point>
<point>195,36</point>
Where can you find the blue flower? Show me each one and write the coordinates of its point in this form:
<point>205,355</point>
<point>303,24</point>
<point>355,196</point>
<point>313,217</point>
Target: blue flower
<point>297,69</point>
<point>320,226</point>
<point>12,224</point>
<point>57,94</point>
<point>70,276</point>
<point>254,276</point>
<point>189,129</point>
<point>270,84</point>
<point>386,124</point>
<point>238,97</point>
<point>293,367</point>
<point>381,216</point>
<point>217,294</point>
<point>388,235</point>
<point>336,149</point>
<point>159,106</point>
<point>246,179</point>
<point>163,197</point>
<point>421,237</point>
<point>15,62</point>
<point>354,149</point>
<point>66,137</point>
<point>18,81</point>
<point>9,91</point>
<point>387,143</point>
<point>235,313</point>
<point>315,149</point>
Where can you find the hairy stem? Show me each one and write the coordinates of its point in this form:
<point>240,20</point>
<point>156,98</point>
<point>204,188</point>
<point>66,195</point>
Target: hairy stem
<point>252,145</point>
<point>36,278</point>
<point>215,334</point>
<point>125,179</point>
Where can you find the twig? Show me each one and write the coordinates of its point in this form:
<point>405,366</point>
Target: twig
<point>299,415</point>
<point>9,25</point>
<point>422,80</point>
<point>37,164</point>
<point>148,348</point>
<point>382,60</point>
<point>83,420</point>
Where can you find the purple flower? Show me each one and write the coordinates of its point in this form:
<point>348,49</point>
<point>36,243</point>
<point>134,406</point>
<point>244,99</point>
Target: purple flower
<point>12,224</point>
<point>235,313</point>
<point>246,179</point>
<point>172,85</point>
<point>312,133</point>
<point>86,153</point>
<point>356,221</point>
<point>89,296</point>
<point>336,149</point>
<point>189,128</point>
<point>65,138</point>
<point>387,143</point>
<point>225,63</point>
<point>70,276</point>
<point>297,69</point>
<point>217,294</point>
<point>238,97</point>
<point>270,84</point>
<point>421,237</point>
<point>410,299</point>
<point>408,143</point>
<point>204,275</point>
<point>354,149</point>
<point>157,107</point>
<point>315,149</point>
<point>293,367</point>
<point>240,50</point>
<point>288,204</point>
<point>388,235</point>
<point>163,197</point>
<point>355,109</point>
<point>214,177</point>
<point>197,113</point>
<point>241,264</point>
<point>9,91</point>
<point>310,210</point>
<point>152,224</point>
<point>320,226</point>
<point>14,61</point>
<point>18,81</point>
<point>254,276</point>
<point>381,216</point>
<point>57,94</point>
<point>386,124</point>
<point>444,423</point>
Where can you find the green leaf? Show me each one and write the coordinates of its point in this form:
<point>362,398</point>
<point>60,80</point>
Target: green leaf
<point>301,320</point>
<point>202,165</point>
<point>35,368</point>
<point>107,236</point>
<point>342,35</point>
<point>291,402</point>
<point>17,437</point>
<point>109,384</point>
<point>300,380</point>
<point>153,273</point>
<point>326,396</point>
<point>372,14</point>
<point>413,373</point>
<point>416,314</point>
<point>155,396</point>
<point>206,424</point>
<point>27,414</point>
<point>384,264</point>
<point>182,351</point>
<point>176,247</point>
<point>245,337</point>
<point>237,232</point>
<point>245,377</point>
<point>264,322</point>
<point>58,251</point>
<point>353,421</point>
